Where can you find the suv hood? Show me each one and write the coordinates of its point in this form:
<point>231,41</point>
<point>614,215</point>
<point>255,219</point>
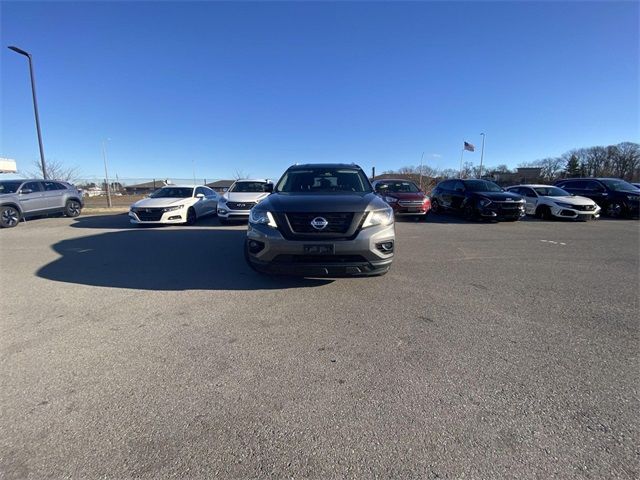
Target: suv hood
<point>245,196</point>
<point>304,202</point>
<point>499,196</point>
<point>160,202</point>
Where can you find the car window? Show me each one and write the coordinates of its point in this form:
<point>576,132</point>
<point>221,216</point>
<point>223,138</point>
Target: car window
<point>173,192</point>
<point>397,186</point>
<point>458,186</point>
<point>527,192</point>
<point>10,187</point>
<point>247,187</point>
<point>35,186</point>
<point>575,184</point>
<point>208,192</point>
<point>324,180</point>
<point>200,190</point>
<point>593,186</point>
<point>52,186</point>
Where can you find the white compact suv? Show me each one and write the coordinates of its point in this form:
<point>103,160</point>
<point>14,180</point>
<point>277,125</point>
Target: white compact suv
<point>241,197</point>
<point>547,202</point>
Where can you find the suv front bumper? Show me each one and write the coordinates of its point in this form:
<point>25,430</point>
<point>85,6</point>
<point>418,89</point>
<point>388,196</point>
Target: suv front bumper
<point>268,251</point>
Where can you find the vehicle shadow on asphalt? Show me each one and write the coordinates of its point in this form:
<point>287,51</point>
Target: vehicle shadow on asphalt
<point>188,258</point>
<point>121,221</point>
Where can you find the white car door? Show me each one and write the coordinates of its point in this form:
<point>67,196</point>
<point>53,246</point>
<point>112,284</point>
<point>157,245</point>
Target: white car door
<point>211,199</point>
<point>531,200</point>
<point>200,204</point>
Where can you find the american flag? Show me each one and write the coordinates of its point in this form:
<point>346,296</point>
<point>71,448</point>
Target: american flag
<point>470,147</point>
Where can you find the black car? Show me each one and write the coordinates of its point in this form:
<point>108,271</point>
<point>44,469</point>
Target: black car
<point>477,199</point>
<point>616,197</point>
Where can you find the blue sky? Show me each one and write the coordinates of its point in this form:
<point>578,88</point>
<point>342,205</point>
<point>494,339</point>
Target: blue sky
<point>259,86</point>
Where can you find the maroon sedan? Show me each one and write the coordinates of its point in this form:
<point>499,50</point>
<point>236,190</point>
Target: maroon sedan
<point>404,196</point>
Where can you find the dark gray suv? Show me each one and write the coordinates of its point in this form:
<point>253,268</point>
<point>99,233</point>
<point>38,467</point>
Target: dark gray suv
<point>29,198</point>
<point>321,220</point>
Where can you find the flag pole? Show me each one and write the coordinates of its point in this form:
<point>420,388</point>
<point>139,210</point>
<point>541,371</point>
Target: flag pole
<point>461,156</point>
<point>421,157</point>
<point>481,154</point>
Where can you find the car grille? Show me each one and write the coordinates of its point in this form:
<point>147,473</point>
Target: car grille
<point>505,208</point>
<point>337,222</point>
<point>410,203</point>
<point>584,208</point>
<point>241,205</point>
<point>149,214</point>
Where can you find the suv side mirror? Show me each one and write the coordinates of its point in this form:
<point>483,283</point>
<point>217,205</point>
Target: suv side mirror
<point>25,191</point>
<point>267,187</point>
<point>200,195</point>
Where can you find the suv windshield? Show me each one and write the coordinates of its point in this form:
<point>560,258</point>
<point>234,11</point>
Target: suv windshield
<point>173,192</point>
<point>551,192</point>
<point>247,187</point>
<point>481,186</point>
<point>397,187</point>
<point>619,185</point>
<point>9,187</point>
<point>324,180</point>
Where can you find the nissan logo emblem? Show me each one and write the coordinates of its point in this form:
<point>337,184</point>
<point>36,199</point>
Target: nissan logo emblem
<point>319,223</point>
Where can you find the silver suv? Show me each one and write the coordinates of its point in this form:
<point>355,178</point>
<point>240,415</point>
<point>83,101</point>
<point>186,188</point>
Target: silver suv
<point>29,198</point>
<point>321,220</point>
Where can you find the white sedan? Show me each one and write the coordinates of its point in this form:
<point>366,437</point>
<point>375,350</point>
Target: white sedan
<point>174,204</point>
<point>547,202</point>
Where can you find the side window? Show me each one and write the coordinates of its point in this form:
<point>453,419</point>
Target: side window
<point>517,190</point>
<point>208,192</point>
<point>593,186</point>
<point>34,186</point>
<point>527,192</point>
<point>458,186</point>
<point>52,186</point>
<point>200,190</point>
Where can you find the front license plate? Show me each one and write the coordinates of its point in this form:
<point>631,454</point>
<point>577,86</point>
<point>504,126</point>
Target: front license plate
<point>326,249</point>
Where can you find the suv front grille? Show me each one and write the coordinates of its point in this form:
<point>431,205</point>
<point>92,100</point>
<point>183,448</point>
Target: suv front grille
<point>321,259</point>
<point>337,222</point>
<point>410,203</point>
<point>584,208</point>
<point>241,205</point>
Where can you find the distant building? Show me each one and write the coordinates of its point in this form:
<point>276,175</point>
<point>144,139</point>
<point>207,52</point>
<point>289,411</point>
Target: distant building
<point>144,188</point>
<point>220,186</point>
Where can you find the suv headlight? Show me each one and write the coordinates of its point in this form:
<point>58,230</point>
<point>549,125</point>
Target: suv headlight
<point>390,199</point>
<point>171,209</point>
<point>262,217</point>
<point>383,216</point>
<point>564,205</point>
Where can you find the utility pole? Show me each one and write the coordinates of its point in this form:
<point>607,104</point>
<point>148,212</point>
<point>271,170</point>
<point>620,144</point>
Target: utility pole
<point>482,154</point>
<point>106,173</point>
<point>35,108</point>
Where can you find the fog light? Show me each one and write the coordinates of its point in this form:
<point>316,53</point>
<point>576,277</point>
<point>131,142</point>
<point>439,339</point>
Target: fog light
<point>222,211</point>
<point>255,246</point>
<point>175,217</point>
<point>385,247</point>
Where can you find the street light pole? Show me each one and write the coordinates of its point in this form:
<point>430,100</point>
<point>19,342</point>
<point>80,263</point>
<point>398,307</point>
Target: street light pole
<point>481,154</point>
<point>35,107</point>
<point>106,173</point>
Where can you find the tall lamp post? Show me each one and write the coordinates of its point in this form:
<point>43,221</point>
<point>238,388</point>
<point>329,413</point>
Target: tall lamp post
<point>35,107</point>
<point>106,172</point>
<point>481,154</point>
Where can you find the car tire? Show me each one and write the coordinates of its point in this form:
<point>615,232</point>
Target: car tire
<point>72,208</point>
<point>9,217</point>
<point>469,213</point>
<point>614,210</point>
<point>435,207</point>
<point>545,213</point>
<point>192,218</point>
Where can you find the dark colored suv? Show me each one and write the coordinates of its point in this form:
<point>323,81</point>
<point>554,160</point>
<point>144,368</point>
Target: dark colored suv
<point>477,199</point>
<point>321,220</point>
<point>616,197</point>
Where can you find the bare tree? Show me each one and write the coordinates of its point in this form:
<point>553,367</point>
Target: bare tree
<point>56,170</point>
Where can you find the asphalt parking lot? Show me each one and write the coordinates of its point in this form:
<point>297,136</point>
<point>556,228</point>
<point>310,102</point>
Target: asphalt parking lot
<point>489,351</point>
